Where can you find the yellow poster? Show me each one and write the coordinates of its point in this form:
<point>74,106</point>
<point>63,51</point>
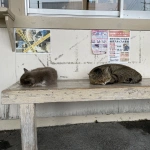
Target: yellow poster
<point>32,40</point>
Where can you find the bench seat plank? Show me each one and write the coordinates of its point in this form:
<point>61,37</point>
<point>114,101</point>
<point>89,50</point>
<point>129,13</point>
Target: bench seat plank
<point>75,91</point>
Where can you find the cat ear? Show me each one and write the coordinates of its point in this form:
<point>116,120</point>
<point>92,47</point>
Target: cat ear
<point>25,70</point>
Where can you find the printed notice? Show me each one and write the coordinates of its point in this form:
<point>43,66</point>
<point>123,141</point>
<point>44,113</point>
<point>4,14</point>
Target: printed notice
<point>119,46</point>
<point>32,40</point>
<point>99,41</point>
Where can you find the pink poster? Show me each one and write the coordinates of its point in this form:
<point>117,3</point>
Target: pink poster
<point>99,42</point>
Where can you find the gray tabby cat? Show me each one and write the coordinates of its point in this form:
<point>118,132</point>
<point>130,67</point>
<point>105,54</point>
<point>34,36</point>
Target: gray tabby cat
<point>114,73</point>
<point>39,75</point>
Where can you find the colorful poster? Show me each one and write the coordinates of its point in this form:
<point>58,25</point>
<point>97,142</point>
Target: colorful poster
<point>32,40</point>
<point>99,42</point>
<point>119,46</point>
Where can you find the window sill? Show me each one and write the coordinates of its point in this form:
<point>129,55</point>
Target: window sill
<point>81,23</point>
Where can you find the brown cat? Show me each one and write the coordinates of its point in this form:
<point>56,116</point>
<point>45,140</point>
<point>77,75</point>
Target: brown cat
<point>114,73</point>
<point>39,75</point>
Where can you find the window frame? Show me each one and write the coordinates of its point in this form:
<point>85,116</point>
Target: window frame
<point>83,12</point>
<point>73,22</point>
<point>87,13</point>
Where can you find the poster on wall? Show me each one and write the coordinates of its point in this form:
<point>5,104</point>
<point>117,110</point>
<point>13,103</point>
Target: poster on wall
<point>119,46</point>
<point>99,41</point>
<point>32,40</point>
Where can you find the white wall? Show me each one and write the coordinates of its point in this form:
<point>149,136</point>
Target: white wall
<point>72,57</point>
<point>7,71</point>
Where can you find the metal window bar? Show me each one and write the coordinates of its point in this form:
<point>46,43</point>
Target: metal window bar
<point>27,7</point>
<point>121,3</point>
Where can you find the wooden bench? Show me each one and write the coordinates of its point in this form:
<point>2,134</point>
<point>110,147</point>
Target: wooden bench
<point>65,91</point>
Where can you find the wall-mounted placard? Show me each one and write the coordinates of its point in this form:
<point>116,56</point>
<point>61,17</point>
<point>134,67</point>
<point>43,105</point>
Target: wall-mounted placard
<point>32,40</point>
<point>119,46</point>
<point>99,41</point>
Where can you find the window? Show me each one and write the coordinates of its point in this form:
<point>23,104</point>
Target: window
<point>137,9</point>
<point>138,5</point>
<point>57,4</point>
<point>92,8</point>
<point>104,5</point>
<point>73,7</point>
<point>3,3</point>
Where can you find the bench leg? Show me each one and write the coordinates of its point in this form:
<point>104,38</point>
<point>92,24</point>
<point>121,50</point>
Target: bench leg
<point>28,127</point>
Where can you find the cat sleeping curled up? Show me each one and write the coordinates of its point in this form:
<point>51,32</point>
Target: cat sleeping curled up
<point>39,75</point>
<point>114,73</point>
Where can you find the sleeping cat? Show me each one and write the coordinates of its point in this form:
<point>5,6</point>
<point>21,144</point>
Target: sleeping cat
<point>114,73</point>
<point>39,75</point>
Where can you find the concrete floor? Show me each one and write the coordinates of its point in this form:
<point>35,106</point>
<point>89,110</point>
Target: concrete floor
<point>94,136</point>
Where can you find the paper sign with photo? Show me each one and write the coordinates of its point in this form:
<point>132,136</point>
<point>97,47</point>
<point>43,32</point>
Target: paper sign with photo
<point>99,41</point>
<point>119,46</point>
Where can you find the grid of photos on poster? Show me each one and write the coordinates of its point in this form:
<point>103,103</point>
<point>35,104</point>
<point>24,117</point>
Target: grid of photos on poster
<point>99,42</point>
<point>32,40</point>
